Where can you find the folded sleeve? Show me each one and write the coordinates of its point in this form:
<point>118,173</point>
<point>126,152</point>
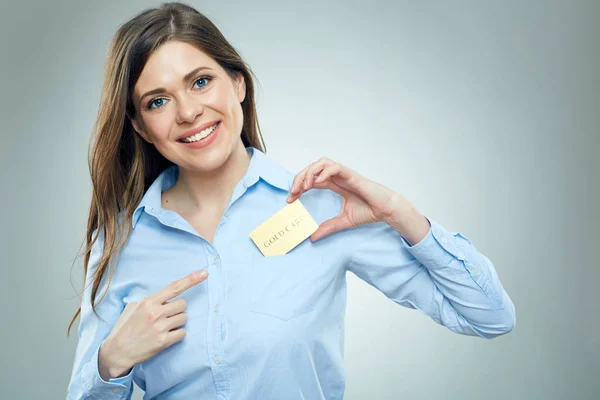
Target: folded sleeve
<point>85,382</point>
<point>443,276</point>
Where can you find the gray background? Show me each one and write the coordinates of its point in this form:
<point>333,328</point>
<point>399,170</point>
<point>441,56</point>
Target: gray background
<point>484,115</point>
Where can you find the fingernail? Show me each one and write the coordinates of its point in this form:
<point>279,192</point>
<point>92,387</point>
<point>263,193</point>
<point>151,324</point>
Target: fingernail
<point>201,274</point>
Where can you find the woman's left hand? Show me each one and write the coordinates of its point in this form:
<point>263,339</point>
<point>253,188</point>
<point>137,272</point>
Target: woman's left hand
<point>363,201</point>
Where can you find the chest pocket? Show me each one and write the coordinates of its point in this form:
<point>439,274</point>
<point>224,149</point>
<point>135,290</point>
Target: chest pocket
<point>286,286</point>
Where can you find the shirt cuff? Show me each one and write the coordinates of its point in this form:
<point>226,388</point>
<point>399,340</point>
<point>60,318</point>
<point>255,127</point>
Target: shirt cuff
<point>115,388</point>
<point>436,249</point>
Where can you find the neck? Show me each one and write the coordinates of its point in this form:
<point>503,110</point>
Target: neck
<point>198,191</point>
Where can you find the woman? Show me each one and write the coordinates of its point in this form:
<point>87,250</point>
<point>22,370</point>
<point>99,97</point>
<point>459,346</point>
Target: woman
<point>180,181</point>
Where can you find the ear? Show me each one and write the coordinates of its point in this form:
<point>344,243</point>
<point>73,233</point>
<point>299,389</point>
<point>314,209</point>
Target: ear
<point>241,86</point>
<point>136,126</point>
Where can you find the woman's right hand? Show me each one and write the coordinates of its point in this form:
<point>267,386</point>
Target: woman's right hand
<point>145,328</point>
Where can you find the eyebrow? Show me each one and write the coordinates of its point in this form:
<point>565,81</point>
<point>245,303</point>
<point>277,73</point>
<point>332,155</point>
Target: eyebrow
<point>187,77</point>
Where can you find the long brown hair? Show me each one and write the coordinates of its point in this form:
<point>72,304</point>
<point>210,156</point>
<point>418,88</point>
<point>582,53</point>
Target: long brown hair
<point>122,164</point>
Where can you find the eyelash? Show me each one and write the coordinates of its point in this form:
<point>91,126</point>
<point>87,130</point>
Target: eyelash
<point>149,104</point>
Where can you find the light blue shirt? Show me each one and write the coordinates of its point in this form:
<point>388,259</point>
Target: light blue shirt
<point>273,327</point>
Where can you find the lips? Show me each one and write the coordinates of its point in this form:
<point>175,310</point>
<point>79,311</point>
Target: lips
<point>196,130</point>
<point>205,142</point>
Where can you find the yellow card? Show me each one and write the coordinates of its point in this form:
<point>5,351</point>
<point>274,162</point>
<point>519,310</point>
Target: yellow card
<point>284,230</point>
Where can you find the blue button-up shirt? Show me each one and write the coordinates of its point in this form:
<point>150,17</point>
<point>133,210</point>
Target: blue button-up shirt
<point>273,327</point>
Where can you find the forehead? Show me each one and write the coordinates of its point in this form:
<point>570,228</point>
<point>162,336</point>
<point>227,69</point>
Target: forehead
<point>169,63</point>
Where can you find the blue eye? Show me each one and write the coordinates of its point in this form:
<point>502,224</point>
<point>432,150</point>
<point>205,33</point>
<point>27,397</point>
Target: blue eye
<point>206,78</point>
<point>153,101</point>
<point>156,99</point>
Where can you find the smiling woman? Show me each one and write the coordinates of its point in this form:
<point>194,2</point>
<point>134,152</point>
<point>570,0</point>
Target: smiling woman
<point>180,182</point>
<point>184,97</point>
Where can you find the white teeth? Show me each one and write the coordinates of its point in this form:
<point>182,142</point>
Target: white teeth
<point>200,135</point>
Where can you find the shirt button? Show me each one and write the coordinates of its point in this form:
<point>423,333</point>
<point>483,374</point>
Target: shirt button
<point>216,260</point>
<point>217,308</point>
<point>217,360</point>
<point>444,241</point>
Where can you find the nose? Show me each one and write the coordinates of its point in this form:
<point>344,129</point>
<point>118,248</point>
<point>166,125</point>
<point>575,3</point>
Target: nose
<point>188,109</point>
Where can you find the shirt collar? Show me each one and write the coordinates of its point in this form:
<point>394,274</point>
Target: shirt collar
<point>261,166</point>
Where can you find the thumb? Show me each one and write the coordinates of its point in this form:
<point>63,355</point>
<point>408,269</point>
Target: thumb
<point>328,227</point>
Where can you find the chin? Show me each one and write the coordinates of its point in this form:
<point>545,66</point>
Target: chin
<point>210,160</point>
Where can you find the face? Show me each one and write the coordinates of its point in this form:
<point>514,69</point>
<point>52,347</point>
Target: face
<point>188,101</point>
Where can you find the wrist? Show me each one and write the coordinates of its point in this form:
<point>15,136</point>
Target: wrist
<point>111,366</point>
<point>409,222</point>
<point>400,212</point>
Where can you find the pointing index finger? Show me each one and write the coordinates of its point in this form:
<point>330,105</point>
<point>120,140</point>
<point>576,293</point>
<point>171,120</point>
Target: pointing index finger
<point>179,286</point>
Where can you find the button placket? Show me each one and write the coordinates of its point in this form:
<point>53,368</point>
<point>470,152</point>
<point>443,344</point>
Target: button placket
<point>215,324</point>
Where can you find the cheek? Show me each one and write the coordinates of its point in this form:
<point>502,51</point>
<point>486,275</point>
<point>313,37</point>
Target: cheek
<point>236,113</point>
<point>224,104</point>
<point>229,108</point>
<point>159,127</point>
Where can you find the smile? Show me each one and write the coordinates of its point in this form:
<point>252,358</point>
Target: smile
<point>199,135</point>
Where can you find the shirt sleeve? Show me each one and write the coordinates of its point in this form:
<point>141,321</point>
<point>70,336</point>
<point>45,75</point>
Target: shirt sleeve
<point>443,276</point>
<point>86,382</point>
